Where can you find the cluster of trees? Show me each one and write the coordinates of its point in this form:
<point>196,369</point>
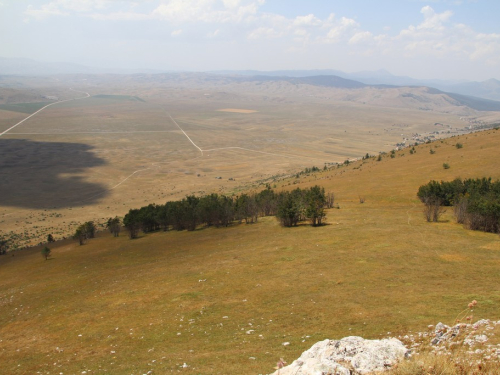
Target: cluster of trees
<point>85,232</point>
<point>220,210</point>
<point>298,205</point>
<point>476,202</point>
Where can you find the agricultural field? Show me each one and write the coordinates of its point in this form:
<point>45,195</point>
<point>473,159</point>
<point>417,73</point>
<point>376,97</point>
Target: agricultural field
<point>225,300</point>
<point>145,139</point>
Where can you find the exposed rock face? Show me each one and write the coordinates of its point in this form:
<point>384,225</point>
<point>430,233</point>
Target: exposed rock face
<point>350,355</point>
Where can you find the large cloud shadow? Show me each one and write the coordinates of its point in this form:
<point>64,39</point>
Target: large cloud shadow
<point>47,174</point>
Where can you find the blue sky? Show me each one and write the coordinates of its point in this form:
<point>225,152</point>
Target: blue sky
<point>446,39</point>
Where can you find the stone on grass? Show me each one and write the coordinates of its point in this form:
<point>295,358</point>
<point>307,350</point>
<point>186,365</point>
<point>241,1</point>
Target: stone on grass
<point>350,355</point>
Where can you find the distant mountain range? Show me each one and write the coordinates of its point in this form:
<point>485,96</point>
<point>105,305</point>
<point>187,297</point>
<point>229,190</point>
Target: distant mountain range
<point>489,89</point>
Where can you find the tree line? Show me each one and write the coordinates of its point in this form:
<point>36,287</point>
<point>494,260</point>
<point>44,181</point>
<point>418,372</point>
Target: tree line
<point>476,202</point>
<point>290,208</point>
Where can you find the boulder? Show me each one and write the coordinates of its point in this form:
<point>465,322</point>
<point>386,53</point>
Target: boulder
<point>350,355</point>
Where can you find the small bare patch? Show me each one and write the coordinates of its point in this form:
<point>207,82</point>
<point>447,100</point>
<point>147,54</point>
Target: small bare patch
<point>236,110</point>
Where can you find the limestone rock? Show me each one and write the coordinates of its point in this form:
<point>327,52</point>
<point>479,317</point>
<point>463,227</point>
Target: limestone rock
<point>350,355</point>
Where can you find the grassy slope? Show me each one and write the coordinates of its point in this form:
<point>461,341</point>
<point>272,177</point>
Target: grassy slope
<point>159,301</point>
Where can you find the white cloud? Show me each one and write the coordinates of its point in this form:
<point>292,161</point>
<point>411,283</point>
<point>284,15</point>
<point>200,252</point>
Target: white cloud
<point>265,33</point>
<point>309,20</point>
<point>433,20</point>
<point>44,11</point>
<point>209,11</point>
<point>361,37</point>
<point>340,30</point>
<point>176,32</point>
<point>121,16</point>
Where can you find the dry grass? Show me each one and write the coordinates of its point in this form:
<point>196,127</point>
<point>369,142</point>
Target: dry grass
<point>461,355</point>
<point>138,156</point>
<point>193,297</point>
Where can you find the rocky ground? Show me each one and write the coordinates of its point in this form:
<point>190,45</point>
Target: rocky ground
<point>467,348</point>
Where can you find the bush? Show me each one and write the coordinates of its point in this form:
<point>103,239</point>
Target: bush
<point>446,166</point>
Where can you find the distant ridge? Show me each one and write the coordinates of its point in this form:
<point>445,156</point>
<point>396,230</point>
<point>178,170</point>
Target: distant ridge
<point>322,80</point>
<point>478,104</point>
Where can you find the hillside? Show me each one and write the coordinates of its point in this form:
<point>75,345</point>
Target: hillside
<point>225,300</point>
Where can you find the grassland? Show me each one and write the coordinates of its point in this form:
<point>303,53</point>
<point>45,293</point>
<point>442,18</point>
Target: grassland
<point>97,157</point>
<point>28,108</point>
<point>224,300</point>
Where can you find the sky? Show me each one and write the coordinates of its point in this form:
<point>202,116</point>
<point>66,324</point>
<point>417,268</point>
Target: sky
<point>432,39</point>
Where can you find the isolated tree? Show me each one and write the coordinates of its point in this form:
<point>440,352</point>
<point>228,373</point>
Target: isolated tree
<point>46,252</point>
<point>50,238</point>
<point>114,226</point>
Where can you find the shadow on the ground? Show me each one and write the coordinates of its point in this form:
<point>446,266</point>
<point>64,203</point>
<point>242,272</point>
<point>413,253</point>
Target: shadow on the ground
<point>47,174</point>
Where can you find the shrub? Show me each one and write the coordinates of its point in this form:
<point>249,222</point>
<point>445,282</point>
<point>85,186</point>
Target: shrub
<point>446,166</point>
<point>46,252</point>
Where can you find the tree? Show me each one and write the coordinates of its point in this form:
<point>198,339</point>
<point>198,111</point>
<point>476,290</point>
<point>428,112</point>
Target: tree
<point>89,229</point>
<point>50,238</point>
<point>4,245</point>
<point>290,208</point>
<point>330,200</point>
<point>84,232</point>
<point>80,235</point>
<point>433,209</point>
<point>315,201</point>
<point>114,226</point>
<point>132,222</point>
<point>46,252</point>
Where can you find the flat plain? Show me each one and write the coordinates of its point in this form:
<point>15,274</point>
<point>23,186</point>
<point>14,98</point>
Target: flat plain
<point>148,139</point>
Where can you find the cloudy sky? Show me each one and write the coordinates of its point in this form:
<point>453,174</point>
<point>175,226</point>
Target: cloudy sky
<point>447,39</point>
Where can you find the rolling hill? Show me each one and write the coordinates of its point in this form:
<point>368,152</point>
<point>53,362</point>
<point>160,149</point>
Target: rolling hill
<point>224,300</point>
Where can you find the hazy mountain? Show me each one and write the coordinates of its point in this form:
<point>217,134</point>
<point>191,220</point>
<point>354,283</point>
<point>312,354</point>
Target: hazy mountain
<point>29,67</point>
<point>322,80</point>
<point>489,89</point>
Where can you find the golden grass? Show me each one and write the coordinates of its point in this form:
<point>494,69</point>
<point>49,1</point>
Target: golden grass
<point>191,297</point>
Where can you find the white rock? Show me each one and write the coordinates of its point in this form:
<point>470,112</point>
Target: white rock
<point>354,353</point>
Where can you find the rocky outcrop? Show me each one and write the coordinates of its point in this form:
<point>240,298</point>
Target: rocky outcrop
<point>350,355</point>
